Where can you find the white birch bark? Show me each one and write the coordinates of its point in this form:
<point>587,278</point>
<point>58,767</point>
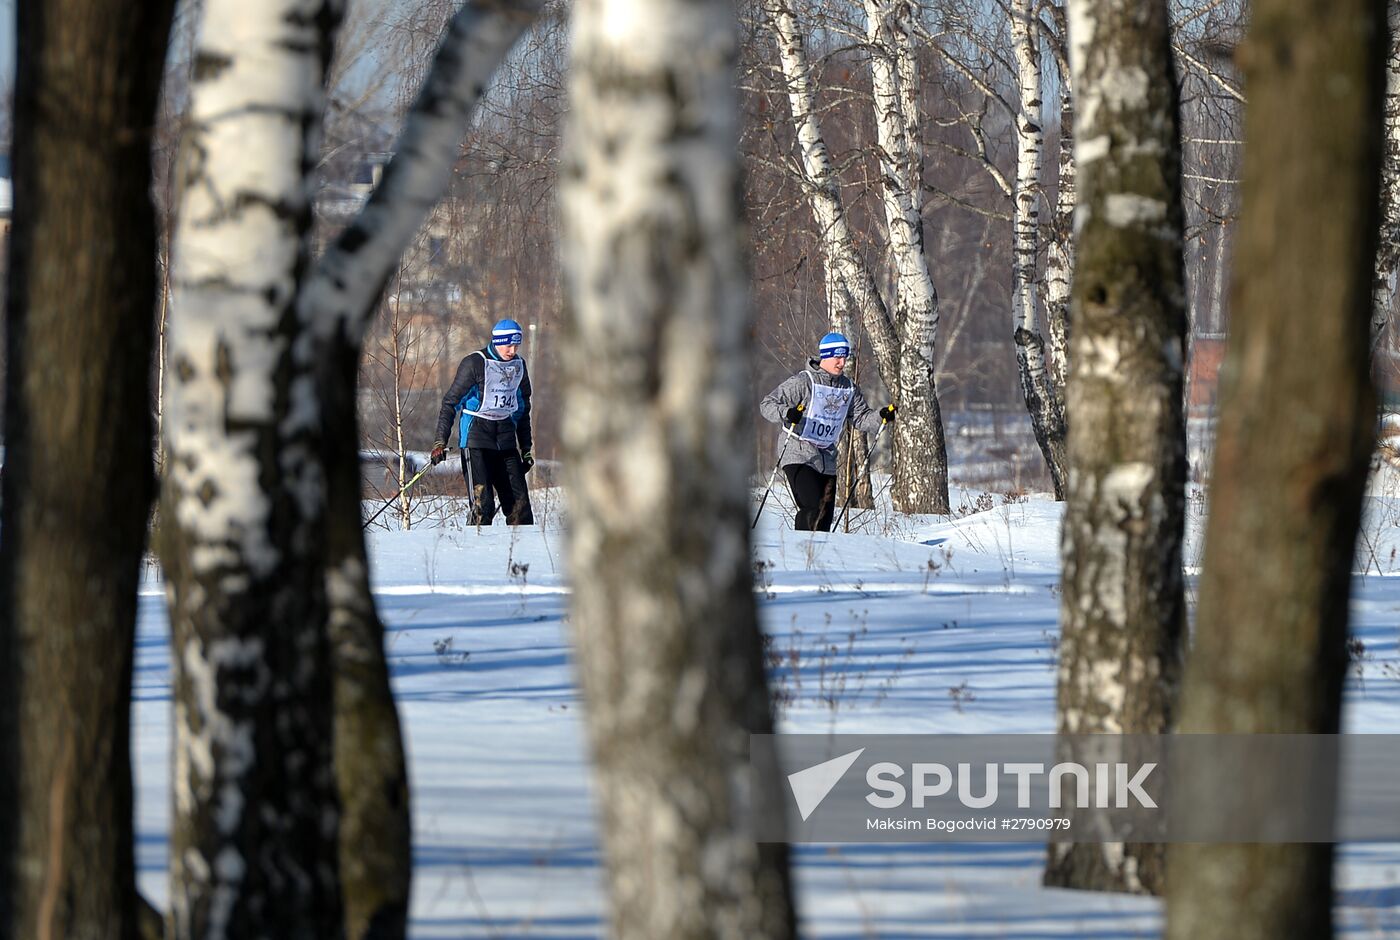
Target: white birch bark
<point>1388,252</point>
<point>1059,256</point>
<point>246,491</point>
<point>1122,611</point>
<point>1059,250</point>
<point>907,69</point>
<point>667,638</point>
<point>918,434</point>
<point>1047,416</point>
<point>253,842</point>
<point>903,344</point>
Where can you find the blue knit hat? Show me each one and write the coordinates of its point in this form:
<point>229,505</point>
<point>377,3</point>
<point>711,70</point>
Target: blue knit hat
<point>506,333</point>
<point>833,344</point>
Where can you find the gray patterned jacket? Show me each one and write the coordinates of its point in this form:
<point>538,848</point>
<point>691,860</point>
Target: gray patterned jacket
<point>798,391</point>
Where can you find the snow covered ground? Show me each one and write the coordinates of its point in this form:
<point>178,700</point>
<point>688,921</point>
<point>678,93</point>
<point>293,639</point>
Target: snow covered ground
<point>914,625</point>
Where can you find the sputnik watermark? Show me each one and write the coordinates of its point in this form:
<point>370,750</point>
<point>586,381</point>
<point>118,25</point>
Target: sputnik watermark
<point>1115,785</point>
<point>811,786</point>
<point>1090,788</point>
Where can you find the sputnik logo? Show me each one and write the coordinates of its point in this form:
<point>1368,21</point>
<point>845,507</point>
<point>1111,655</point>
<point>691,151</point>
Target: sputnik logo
<point>811,786</point>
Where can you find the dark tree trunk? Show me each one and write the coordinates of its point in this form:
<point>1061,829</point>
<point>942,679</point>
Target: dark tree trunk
<point>78,477</point>
<point>337,305</point>
<point>1296,423</point>
<point>1122,609</point>
<point>376,861</point>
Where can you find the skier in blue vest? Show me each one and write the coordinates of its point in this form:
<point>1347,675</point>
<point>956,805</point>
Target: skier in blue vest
<point>491,392</point>
<point>814,406</point>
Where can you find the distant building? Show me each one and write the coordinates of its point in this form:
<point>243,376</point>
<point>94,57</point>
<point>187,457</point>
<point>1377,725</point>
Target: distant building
<point>1208,355</point>
<point>438,318</point>
<point>1203,376</point>
<point>344,194</point>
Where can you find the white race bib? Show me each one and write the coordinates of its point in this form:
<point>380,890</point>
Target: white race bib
<point>499,385</point>
<point>826,414</point>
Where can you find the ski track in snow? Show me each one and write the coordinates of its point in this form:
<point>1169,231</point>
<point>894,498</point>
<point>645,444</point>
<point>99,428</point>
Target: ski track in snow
<point>888,625</point>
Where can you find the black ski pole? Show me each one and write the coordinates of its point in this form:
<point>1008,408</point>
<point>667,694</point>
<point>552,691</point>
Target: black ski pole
<point>865,467</point>
<point>787,429</point>
<point>390,501</point>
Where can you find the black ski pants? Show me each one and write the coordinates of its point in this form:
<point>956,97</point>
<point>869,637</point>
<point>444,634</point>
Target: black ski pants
<point>815,493</point>
<point>497,474</point>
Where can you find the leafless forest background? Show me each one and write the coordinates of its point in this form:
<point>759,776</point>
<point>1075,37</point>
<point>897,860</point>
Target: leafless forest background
<point>490,249</point>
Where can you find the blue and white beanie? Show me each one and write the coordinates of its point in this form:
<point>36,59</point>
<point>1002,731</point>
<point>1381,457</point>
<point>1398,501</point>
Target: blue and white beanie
<point>506,333</point>
<point>833,344</point>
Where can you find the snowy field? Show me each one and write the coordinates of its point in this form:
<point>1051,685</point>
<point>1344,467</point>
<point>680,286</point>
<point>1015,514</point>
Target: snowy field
<point>915,625</point>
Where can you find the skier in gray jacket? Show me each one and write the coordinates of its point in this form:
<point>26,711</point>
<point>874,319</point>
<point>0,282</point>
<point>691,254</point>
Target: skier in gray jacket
<point>813,407</point>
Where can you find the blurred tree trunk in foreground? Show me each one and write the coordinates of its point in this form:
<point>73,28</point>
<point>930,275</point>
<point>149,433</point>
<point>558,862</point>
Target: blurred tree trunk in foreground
<point>78,478</point>
<point>1296,423</point>
<point>1122,611</point>
<point>666,629</point>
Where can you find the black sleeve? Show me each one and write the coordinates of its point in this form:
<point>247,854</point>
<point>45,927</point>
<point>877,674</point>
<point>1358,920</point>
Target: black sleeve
<point>468,374</point>
<point>523,433</point>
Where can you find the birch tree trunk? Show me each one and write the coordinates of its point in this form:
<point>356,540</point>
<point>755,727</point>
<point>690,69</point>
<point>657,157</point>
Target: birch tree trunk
<point>1388,251</point>
<point>336,308</point>
<point>1059,251</point>
<point>1295,435</point>
<point>264,367</point>
<point>906,61</point>
<point>254,834</point>
<point>1122,608</point>
<point>903,343</point>
<point>667,638</point>
<point>824,194</point>
<point>78,479</point>
<point>850,287</point>
<point>918,434</point>
<point>1042,400</point>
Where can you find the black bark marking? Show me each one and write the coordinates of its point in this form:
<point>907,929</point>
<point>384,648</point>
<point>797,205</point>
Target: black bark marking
<point>223,364</point>
<point>354,239</point>
<point>281,209</point>
<point>298,46</point>
<point>210,65</point>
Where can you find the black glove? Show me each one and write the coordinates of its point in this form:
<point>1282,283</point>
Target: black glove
<point>528,459</point>
<point>793,415</point>
<point>887,413</point>
<point>439,453</point>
